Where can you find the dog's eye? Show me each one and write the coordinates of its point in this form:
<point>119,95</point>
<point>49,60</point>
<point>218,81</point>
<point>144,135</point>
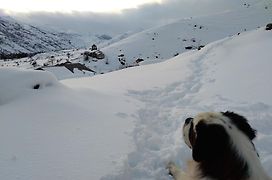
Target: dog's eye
<point>188,120</point>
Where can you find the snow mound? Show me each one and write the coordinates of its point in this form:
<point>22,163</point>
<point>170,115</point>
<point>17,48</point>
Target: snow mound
<point>17,83</point>
<point>49,131</point>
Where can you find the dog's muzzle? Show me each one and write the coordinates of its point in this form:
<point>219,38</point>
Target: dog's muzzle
<point>188,132</point>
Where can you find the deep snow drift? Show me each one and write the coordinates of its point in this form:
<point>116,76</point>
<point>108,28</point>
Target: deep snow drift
<point>49,131</point>
<point>127,124</point>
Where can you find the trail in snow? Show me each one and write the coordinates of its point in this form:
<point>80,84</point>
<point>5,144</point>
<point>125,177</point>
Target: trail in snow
<point>158,132</point>
<point>158,135</point>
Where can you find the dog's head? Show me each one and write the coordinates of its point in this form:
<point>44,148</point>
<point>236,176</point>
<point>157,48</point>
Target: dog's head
<point>210,134</point>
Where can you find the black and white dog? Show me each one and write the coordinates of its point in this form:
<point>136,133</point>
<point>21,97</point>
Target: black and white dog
<point>222,149</point>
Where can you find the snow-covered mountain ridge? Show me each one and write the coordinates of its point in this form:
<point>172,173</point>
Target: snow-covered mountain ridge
<point>17,37</point>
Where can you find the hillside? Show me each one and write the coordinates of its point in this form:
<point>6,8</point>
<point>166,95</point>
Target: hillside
<point>161,43</point>
<point>127,124</point>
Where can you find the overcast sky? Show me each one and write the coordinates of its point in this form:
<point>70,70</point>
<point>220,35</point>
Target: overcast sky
<point>72,5</point>
<point>110,16</point>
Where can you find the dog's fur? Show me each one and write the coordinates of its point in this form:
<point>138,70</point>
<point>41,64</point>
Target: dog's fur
<point>222,149</point>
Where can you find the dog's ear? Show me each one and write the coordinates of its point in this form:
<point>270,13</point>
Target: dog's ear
<point>211,142</point>
<point>241,123</point>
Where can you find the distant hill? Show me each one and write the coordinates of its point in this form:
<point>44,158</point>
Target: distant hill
<point>160,43</point>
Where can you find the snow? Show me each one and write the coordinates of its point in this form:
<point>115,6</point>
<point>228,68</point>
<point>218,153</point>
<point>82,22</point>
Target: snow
<point>55,132</point>
<point>127,124</point>
<point>241,75</point>
<point>11,88</point>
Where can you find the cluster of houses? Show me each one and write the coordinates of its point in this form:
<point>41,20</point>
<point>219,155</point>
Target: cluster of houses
<point>93,53</point>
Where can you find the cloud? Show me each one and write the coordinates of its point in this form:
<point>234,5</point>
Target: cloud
<point>136,19</point>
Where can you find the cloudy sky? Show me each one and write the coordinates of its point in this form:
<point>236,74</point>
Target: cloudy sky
<point>72,5</point>
<point>109,16</point>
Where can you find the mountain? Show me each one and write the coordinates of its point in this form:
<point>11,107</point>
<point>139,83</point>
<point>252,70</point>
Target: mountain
<point>17,37</point>
<point>128,124</point>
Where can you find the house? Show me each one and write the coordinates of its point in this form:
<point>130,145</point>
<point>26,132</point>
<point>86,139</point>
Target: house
<point>99,54</point>
<point>94,54</point>
<point>94,47</point>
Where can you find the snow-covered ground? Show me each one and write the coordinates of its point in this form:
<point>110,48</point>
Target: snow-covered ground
<point>127,124</point>
<point>55,132</point>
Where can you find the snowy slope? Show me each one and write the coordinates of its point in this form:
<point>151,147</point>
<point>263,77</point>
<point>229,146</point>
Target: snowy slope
<point>127,124</point>
<point>160,43</point>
